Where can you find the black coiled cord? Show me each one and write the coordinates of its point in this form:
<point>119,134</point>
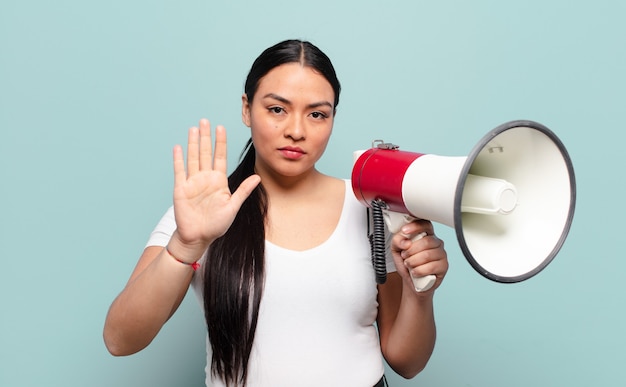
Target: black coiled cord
<point>377,241</point>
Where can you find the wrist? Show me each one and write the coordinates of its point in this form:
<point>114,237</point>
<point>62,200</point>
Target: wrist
<point>420,297</point>
<point>187,253</point>
<point>194,265</point>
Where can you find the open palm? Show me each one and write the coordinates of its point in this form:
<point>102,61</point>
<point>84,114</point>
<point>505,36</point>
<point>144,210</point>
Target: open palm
<point>204,207</point>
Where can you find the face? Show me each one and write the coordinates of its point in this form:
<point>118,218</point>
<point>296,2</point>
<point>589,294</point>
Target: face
<point>291,119</point>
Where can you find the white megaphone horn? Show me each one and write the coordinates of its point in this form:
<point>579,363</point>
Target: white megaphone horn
<point>511,201</point>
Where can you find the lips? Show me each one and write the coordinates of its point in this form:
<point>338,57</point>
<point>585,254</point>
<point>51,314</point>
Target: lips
<point>292,153</point>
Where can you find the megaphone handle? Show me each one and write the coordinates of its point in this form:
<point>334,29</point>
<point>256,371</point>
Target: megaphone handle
<point>395,221</point>
<point>426,282</point>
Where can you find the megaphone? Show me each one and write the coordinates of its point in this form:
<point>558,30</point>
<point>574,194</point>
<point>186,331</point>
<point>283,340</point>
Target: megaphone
<point>511,200</point>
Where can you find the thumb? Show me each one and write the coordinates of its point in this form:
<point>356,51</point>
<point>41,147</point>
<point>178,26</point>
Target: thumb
<point>245,189</point>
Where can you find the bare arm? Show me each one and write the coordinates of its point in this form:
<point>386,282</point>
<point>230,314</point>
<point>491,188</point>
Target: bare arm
<point>406,319</point>
<point>204,208</point>
<point>153,293</point>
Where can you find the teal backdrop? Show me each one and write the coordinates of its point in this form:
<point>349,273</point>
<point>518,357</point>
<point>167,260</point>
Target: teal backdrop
<point>94,95</point>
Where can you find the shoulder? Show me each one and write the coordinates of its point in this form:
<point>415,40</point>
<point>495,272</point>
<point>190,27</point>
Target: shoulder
<point>330,188</point>
<point>163,230</point>
<point>333,182</point>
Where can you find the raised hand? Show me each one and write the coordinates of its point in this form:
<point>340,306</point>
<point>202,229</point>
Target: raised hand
<point>204,207</point>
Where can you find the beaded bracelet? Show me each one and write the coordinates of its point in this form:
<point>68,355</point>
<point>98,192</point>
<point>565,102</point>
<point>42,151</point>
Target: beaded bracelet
<point>194,265</point>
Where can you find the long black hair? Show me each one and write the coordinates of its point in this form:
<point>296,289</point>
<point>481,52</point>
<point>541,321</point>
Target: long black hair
<point>235,269</point>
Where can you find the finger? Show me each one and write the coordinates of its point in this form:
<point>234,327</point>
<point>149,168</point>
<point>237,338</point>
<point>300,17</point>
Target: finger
<point>416,227</point>
<point>245,189</point>
<point>179,166</point>
<point>423,270</point>
<point>219,162</point>
<point>193,163</point>
<point>428,268</point>
<point>410,244</point>
<point>206,148</point>
<point>423,258</point>
<point>425,246</point>
<point>400,242</point>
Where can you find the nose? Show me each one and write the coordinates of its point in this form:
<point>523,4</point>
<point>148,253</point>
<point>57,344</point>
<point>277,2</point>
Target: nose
<point>296,129</point>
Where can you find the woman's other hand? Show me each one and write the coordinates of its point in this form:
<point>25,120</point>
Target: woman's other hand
<point>420,257</point>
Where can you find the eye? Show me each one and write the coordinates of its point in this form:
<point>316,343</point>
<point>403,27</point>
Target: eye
<point>318,115</point>
<point>276,109</point>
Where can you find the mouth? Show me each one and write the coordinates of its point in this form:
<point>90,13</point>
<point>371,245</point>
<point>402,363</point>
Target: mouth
<point>292,153</point>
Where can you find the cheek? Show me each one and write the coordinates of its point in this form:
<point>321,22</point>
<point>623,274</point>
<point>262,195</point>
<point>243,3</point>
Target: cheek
<point>262,135</point>
<point>267,129</point>
<point>324,137</point>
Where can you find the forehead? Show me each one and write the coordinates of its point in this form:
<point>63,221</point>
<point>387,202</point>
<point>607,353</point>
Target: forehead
<point>293,80</point>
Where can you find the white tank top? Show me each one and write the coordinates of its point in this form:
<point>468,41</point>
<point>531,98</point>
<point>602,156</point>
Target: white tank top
<point>316,319</point>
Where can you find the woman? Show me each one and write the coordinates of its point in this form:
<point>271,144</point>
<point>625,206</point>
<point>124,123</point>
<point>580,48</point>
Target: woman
<point>285,273</point>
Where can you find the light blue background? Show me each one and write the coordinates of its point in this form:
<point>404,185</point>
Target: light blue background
<point>93,96</point>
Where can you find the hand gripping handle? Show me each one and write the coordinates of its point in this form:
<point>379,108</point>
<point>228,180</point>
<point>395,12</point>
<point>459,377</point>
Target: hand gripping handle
<point>426,282</point>
<point>395,221</point>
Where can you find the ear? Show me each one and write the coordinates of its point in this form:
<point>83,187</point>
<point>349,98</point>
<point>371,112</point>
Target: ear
<point>245,110</point>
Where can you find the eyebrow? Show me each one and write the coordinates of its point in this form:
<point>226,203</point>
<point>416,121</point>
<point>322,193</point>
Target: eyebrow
<point>288,102</point>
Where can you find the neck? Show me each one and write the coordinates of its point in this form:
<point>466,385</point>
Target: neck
<point>278,185</point>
